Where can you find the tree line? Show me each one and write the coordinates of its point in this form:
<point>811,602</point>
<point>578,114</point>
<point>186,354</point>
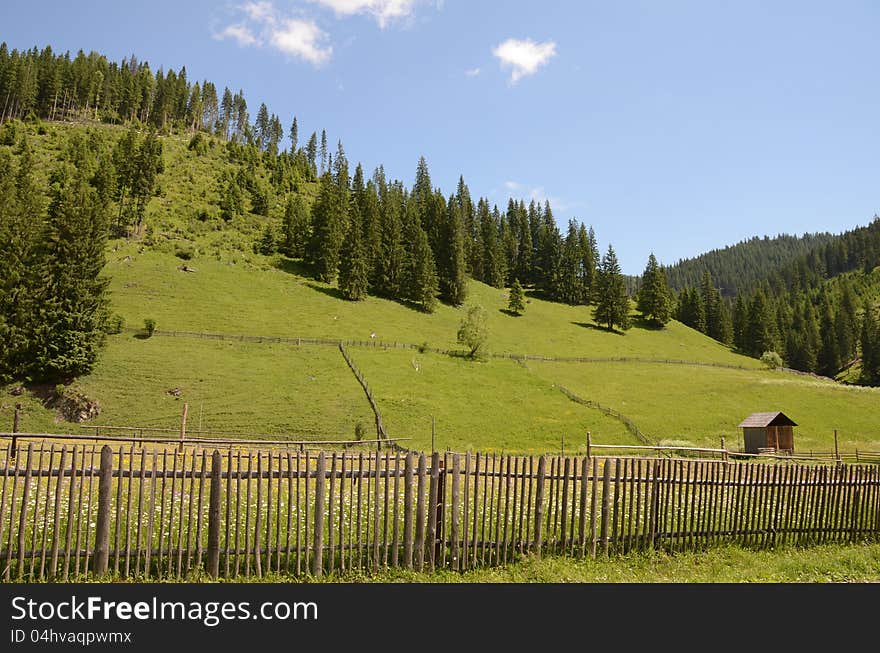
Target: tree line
<point>53,302</point>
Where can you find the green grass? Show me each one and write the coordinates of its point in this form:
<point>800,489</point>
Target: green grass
<point>855,563</point>
<point>493,406</point>
<point>300,392</point>
<point>489,406</point>
<point>702,404</point>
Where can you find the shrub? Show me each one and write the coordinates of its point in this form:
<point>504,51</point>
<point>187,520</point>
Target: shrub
<point>149,326</point>
<point>115,324</point>
<point>771,360</point>
<point>59,390</point>
<point>185,253</point>
<point>198,144</point>
<point>474,334</point>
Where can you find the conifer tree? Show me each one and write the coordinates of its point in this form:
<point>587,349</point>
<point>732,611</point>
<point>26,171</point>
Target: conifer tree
<point>452,263</point>
<point>846,325</point>
<point>391,268</point>
<point>760,329</point>
<point>328,230</point>
<point>612,308</point>
<point>294,136</point>
<point>740,321</point>
<point>312,153</point>
<point>72,297</point>
<point>516,301</point>
<point>829,355</point>
<point>353,265</point>
<point>870,345</point>
<point>295,226</point>
<point>654,299</point>
<point>421,279</point>
<point>323,151</point>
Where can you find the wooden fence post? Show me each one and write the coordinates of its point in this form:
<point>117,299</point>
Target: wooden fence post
<point>836,449</point>
<point>318,552</point>
<point>102,527</point>
<point>183,426</point>
<point>214,516</point>
<point>539,505</point>
<point>15,421</point>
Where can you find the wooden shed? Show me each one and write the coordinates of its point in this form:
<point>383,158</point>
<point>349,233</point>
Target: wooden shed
<point>768,431</point>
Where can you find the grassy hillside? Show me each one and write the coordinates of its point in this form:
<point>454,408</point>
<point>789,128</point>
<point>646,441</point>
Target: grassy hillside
<point>308,392</point>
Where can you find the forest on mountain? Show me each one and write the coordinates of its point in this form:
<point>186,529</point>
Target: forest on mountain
<point>367,233</point>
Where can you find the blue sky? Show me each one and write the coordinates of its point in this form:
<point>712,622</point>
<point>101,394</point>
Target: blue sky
<point>670,126</point>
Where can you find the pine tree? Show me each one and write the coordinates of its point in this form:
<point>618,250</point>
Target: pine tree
<point>612,308</point>
<point>312,153</point>
<point>421,285</point>
<point>516,302</point>
<point>329,226</point>
<point>740,321</point>
<point>353,265</point>
<point>20,235</point>
<point>323,151</point>
<point>829,355</point>
<point>295,227</point>
<point>73,299</point>
<point>294,136</point>
<point>691,310</point>
<point>760,328</point>
<point>391,269</point>
<point>654,299</point>
<point>846,325</point>
<point>452,262</point>
<point>870,344</point>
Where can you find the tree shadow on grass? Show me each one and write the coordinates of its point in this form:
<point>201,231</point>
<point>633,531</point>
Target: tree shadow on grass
<point>291,266</point>
<point>595,327</point>
<point>639,322</point>
<point>329,291</point>
<point>507,311</point>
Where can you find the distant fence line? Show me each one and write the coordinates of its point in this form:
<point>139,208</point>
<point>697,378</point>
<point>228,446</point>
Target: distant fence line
<point>456,353</point>
<point>627,422</point>
<point>71,513</point>
<point>380,427</point>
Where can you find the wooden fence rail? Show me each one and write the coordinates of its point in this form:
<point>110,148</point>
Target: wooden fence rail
<point>76,511</point>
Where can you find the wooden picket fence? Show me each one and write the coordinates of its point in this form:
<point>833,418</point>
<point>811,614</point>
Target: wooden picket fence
<point>74,511</point>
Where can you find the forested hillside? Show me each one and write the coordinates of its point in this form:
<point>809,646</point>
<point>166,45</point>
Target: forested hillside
<point>248,188</point>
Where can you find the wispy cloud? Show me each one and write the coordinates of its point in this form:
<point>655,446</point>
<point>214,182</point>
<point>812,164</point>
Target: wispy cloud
<point>384,12</point>
<point>524,57</point>
<point>263,25</point>
<point>473,72</point>
<point>238,33</point>
<point>539,195</point>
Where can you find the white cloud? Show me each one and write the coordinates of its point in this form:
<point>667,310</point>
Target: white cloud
<point>259,11</point>
<point>264,26</point>
<point>473,72</point>
<point>524,57</point>
<point>383,11</point>
<point>302,39</point>
<point>539,195</point>
<point>239,33</point>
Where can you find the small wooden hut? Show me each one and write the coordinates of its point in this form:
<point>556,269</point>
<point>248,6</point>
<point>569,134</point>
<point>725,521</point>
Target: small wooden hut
<point>768,431</point>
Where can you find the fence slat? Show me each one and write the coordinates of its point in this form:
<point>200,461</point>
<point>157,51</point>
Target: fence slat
<point>456,480</point>
<point>420,516</point>
<point>317,556</point>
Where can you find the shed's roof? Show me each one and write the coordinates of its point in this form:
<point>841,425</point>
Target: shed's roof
<point>758,420</point>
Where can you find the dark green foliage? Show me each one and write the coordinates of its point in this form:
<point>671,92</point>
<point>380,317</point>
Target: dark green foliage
<point>198,144</point>
<point>654,300</point>
<point>267,243</point>
<point>452,262</point>
<point>295,227</point>
<point>761,332</point>
<point>231,197</point>
<point>353,268</point>
<point>691,309</point>
<point>473,332</point>
<point>870,345</point>
<point>516,298</point>
<point>149,326</point>
<point>115,324</point>
<point>829,354</point>
<point>420,277</point>
<point>329,216</point>
<point>72,293</point>
<point>612,306</point>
